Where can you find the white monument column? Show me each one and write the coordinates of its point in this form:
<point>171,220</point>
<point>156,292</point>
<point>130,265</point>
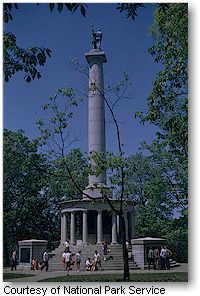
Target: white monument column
<point>85,227</point>
<point>72,228</point>
<point>96,115</point>
<point>99,227</point>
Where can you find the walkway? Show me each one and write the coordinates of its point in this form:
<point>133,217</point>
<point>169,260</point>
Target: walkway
<point>41,275</point>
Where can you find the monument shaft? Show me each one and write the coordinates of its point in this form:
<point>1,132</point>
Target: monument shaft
<point>96,109</point>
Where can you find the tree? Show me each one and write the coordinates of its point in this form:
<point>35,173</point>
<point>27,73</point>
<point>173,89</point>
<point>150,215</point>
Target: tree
<point>61,185</point>
<point>167,104</point>
<point>19,59</point>
<point>27,60</point>
<point>147,187</point>
<point>129,8</point>
<point>168,110</point>
<point>27,212</point>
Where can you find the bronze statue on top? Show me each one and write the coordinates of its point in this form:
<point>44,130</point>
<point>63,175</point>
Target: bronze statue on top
<point>96,39</point>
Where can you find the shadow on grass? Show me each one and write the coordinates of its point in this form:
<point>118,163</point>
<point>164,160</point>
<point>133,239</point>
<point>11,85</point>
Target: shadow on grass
<point>139,277</point>
<point>9,276</point>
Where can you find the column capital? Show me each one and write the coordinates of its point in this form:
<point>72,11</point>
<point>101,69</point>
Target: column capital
<point>95,55</point>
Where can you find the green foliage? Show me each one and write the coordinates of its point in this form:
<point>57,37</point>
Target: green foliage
<point>168,102</point>
<point>129,8</point>
<point>27,212</point>
<point>34,188</point>
<point>176,235</point>
<point>59,109</point>
<point>146,185</point>
<point>7,11</point>
<point>168,110</point>
<point>8,8</point>
<point>69,6</point>
<point>70,169</point>
<point>62,186</point>
<point>19,59</point>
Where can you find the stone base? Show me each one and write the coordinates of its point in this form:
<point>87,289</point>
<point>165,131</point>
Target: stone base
<point>140,247</point>
<point>95,191</point>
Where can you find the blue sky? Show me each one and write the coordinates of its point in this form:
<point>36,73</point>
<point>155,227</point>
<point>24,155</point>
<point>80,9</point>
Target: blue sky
<point>125,43</point>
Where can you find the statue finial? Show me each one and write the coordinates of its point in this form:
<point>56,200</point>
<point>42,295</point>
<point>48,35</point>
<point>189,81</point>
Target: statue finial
<point>96,38</point>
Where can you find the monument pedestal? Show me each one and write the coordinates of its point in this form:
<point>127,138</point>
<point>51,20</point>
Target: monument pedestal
<point>140,248</point>
<point>29,249</point>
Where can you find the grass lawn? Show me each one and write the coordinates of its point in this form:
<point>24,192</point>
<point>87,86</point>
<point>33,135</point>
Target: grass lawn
<point>137,277</point>
<point>9,276</point>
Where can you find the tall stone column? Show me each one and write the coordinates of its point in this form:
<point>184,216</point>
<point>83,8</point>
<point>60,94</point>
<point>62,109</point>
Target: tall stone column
<point>114,229</point>
<point>96,120</point>
<point>72,228</point>
<point>99,227</point>
<point>85,227</point>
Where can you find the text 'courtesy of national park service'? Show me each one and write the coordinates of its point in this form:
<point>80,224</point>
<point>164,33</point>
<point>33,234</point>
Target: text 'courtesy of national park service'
<point>79,290</point>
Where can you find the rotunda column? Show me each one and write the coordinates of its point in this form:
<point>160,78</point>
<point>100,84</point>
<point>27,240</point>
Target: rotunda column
<point>114,229</point>
<point>85,227</point>
<point>99,227</point>
<point>64,228</point>
<point>61,229</point>
<point>72,228</point>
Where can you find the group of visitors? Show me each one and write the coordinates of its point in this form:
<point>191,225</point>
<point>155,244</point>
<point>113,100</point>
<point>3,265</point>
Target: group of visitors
<point>69,259</point>
<point>159,258</point>
<point>95,263</point>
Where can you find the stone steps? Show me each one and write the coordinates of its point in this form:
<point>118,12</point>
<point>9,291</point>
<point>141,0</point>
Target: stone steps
<point>114,262</point>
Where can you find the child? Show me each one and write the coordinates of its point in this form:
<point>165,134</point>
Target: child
<point>88,264</point>
<point>78,260</point>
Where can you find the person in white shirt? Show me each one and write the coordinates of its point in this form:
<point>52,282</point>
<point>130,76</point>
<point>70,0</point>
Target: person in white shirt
<point>67,259</point>
<point>163,258</point>
<point>45,261</point>
<point>88,264</point>
<point>97,260</point>
<point>66,244</point>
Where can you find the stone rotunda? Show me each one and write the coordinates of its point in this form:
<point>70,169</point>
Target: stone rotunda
<point>90,221</point>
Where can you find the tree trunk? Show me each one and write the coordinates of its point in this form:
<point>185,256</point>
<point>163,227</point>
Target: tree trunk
<point>125,251</point>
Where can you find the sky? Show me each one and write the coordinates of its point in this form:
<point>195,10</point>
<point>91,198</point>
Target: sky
<point>125,43</point>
